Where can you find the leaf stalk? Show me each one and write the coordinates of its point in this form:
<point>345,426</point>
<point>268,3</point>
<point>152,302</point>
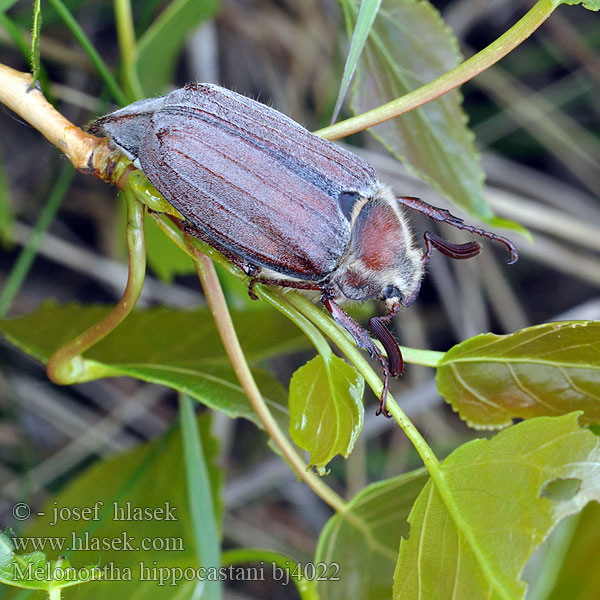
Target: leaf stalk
<point>218,306</point>
<point>67,366</point>
<point>481,61</point>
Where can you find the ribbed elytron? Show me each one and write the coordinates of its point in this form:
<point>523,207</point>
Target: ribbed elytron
<point>290,208</point>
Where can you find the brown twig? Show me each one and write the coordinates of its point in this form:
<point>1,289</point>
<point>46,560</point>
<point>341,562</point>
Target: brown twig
<point>87,153</point>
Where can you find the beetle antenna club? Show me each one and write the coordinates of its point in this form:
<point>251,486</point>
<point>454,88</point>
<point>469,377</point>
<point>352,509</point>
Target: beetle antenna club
<point>290,208</point>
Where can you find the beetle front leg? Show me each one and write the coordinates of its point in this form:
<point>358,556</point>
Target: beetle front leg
<point>444,216</point>
<point>363,340</point>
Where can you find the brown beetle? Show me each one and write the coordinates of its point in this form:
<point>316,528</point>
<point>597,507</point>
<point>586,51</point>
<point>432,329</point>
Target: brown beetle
<point>290,208</point>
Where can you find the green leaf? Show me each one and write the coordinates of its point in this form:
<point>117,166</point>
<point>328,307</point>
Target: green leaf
<point>410,45</point>
<point>363,540</point>
<point>161,44</point>
<point>33,572</point>
<point>474,541</point>
<point>326,410</point>
<point>364,22</point>
<point>589,4</point>
<point>577,575</point>
<point>176,348</point>
<point>131,546</point>
<point>6,4</point>
<point>497,222</point>
<point>165,258</point>
<point>200,497</point>
<point>549,369</point>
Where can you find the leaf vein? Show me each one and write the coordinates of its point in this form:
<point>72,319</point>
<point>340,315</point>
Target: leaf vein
<point>529,393</point>
<point>474,392</point>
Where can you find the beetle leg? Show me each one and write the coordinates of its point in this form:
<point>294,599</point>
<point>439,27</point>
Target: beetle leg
<point>443,216</point>
<point>291,283</point>
<point>298,285</point>
<point>396,364</point>
<point>362,339</point>
<point>251,284</point>
<point>382,410</point>
<point>360,335</point>
<point>395,361</point>
<point>466,250</point>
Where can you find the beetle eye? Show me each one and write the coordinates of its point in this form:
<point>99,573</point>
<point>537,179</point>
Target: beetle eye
<point>390,291</point>
<point>346,201</point>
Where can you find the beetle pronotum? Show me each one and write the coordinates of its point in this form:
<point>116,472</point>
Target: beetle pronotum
<point>288,207</point>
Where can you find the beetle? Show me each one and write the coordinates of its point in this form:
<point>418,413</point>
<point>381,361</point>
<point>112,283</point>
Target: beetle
<point>288,207</point>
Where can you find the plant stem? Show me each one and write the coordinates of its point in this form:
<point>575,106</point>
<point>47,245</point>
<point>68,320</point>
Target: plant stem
<point>66,366</point>
<point>24,48</point>
<point>498,49</point>
<point>347,346</point>
<point>311,332</point>
<point>128,48</point>
<point>54,593</point>
<point>82,149</point>
<point>125,30</point>
<point>35,41</point>
<point>218,306</point>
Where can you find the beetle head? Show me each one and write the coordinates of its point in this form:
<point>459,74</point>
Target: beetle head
<point>381,261</point>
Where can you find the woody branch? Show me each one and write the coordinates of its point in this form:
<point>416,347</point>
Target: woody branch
<point>87,153</point>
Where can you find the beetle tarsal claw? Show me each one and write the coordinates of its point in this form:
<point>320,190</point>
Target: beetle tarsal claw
<point>383,400</point>
<point>382,410</point>
<point>269,195</point>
